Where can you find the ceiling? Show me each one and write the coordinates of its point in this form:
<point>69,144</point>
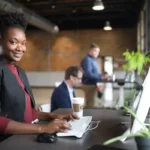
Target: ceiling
<point>78,14</point>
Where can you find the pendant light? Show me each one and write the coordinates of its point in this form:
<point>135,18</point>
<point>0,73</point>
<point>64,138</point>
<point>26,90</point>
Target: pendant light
<point>98,5</point>
<point>107,26</point>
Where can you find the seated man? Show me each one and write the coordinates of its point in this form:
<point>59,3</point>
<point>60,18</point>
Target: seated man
<point>63,94</point>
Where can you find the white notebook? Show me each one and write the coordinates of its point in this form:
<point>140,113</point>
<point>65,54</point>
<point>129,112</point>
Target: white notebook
<point>79,127</point>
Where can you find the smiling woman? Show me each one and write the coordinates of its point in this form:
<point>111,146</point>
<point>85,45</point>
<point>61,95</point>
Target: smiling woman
<point>17,106</point>
<point>13,38</point>
<point>15,45</point>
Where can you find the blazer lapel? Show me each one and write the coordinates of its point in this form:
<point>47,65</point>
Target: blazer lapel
<point>22,77</point>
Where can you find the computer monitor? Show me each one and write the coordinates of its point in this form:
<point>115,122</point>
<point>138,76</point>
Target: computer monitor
<point>133,109</point>
<point>140,106</point>
<point>143,106</point>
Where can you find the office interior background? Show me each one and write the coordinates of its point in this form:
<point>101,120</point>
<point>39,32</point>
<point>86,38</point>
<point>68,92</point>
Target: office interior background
<point>60,32</point>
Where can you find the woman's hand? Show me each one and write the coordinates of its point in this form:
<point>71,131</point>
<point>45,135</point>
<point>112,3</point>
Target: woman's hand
<point>64,116</point>
<point>57,125</point>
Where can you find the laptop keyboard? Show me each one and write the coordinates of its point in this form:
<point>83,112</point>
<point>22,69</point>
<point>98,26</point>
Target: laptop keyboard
<point>78,127</point>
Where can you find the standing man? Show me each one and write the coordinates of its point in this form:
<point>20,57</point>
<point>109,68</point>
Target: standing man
<point>63,94</point>
<point>91,75</point>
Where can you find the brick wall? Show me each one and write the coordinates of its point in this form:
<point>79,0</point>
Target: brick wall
<point>46,52</point>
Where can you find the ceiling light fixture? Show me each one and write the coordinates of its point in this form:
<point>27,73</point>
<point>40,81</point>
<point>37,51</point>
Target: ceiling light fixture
<point>107,26</point>
<point>98,5</point>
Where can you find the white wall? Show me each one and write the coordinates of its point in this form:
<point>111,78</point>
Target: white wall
<point>44,79</point>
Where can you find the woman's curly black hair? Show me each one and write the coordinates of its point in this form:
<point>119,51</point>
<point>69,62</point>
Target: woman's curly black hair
<point>8,20</point>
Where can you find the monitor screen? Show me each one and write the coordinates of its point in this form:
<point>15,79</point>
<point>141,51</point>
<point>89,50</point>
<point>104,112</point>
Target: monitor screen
<point>143,106</point>
<point>140,106</point>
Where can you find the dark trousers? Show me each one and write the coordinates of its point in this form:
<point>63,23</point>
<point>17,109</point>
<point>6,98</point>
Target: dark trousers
<point>91,98</point>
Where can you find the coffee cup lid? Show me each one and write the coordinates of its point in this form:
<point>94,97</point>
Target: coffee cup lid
<point>78,100</point>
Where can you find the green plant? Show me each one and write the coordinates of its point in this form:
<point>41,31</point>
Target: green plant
<point>135,60</point>
<point>144,132</point>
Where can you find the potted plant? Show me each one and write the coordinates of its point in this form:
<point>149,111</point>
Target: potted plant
<point>142,137</point>
<point>135,60</point>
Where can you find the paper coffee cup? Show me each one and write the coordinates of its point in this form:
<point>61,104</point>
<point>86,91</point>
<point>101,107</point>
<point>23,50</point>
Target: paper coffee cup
<point>78,104</point>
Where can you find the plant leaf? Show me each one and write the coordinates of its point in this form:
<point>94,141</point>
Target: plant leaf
<point>122,137</point>
<point>144,132</point>
<point>135,60</point>
<point>133,114</point>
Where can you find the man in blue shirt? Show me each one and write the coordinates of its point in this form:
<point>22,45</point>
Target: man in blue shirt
<point>63,94</point>
<point>91,75</point>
